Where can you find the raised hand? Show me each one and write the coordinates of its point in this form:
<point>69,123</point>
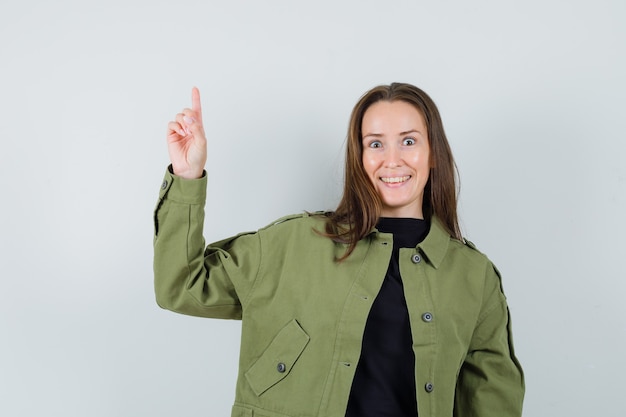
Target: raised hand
<point>186,141</point>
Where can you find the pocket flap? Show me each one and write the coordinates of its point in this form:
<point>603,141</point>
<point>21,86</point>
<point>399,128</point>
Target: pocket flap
<point>278,359</point>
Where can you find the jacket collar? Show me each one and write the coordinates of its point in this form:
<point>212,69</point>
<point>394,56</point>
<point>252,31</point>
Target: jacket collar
<point>435,244</point>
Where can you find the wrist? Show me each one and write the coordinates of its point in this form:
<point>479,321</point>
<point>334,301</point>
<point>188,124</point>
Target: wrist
<point>189,174</point>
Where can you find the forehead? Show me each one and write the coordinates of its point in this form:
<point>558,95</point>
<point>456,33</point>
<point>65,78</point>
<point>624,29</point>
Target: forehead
<point>390,116</point>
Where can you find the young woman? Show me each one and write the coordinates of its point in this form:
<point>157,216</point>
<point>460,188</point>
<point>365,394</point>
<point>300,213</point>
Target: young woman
<point>379,308</point>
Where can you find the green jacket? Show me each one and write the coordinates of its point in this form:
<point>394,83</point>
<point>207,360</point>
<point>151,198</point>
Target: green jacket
<point>303,314</point>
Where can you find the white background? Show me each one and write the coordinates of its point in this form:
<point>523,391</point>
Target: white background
<point>532,97</point>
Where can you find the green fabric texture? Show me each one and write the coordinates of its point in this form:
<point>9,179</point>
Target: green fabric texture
<point>303,314</point>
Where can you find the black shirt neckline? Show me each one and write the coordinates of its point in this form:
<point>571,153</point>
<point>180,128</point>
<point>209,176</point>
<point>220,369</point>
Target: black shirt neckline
<point>407,232</point>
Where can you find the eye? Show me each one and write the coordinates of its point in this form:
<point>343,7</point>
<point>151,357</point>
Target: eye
<point>375,144</point>
<point>408,141</point>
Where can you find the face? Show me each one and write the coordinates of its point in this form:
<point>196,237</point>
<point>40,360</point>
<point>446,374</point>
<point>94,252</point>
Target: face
<point>396,156</point>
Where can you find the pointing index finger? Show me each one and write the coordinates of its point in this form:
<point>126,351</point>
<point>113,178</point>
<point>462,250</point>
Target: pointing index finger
<point>195,101</point>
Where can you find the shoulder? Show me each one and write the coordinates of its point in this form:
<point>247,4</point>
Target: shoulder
<point>302,224</point>
<point>466,252</point>
<point>468,248</point>
<point>296,220</point>
<point>472,250</point>
<point>300,234</point>
<point>443,249</point>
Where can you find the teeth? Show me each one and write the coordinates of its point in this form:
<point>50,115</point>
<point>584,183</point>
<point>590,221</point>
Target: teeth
<point>395,179</point>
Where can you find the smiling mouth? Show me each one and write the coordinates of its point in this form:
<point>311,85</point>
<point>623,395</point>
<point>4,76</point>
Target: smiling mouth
<point>395,180</point>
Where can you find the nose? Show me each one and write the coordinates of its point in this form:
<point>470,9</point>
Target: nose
<point>393,158</point>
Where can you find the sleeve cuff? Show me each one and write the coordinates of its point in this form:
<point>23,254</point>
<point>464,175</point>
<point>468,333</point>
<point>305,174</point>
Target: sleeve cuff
<point>183,190</point>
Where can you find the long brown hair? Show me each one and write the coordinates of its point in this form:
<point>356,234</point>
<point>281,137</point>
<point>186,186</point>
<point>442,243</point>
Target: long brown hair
<point>360,207</point>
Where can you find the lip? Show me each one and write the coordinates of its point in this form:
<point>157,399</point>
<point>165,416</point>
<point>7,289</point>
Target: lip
<point>395,180</point>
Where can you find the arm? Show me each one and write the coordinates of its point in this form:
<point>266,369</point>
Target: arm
<point>491,380</point>
<point>189,279</point>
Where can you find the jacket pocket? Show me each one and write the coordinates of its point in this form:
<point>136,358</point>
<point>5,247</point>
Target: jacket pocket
<point>278,359</point>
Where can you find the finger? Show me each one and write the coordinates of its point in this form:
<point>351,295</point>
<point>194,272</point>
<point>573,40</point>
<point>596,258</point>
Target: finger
<point>191,124</point>
<point>196,106</point>
<point>185,120</point>
<point>180,117</point>
<point>175,127</point>
<point>190,121</point>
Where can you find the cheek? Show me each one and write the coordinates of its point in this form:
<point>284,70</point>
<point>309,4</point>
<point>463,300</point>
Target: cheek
<point>421,162</point>
<point>369,165</point>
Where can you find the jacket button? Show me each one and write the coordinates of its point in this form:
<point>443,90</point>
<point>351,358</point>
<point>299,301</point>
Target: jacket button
<point>164,185</point>
<point>416,259</point>
<point>427,317</point>
<point>281,367</point>
<point>429,387</point>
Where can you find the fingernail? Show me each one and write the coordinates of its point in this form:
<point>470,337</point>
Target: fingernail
<point>188,120</point>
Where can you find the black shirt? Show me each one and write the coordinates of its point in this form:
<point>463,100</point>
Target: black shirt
<point>384,382</point>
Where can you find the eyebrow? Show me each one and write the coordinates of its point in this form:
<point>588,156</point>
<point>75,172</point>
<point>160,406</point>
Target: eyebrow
<point>379,135</point>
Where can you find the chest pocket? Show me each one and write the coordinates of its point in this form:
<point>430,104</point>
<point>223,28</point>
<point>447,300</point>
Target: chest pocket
<point>278,359</point>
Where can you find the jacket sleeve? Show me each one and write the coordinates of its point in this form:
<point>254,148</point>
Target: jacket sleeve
<point>189,278</point>
<point>491,380</point>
